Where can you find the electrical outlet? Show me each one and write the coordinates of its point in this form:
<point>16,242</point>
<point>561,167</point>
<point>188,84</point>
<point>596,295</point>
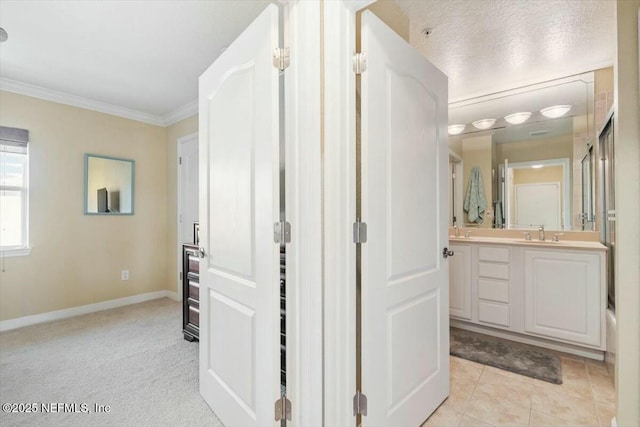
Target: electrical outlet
<point>124,275</point>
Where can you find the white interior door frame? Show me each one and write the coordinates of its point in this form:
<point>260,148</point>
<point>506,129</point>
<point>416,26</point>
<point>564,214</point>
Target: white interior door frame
<point>565,203</point>
<point>303,199</point>
<point>179,237</point>
<point>339,169</point>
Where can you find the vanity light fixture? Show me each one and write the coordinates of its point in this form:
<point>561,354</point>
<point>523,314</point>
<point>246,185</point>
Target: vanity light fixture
<point>555,111</point>
<point>483,124</point>
<point>517,118</point>
<point>456,129</point>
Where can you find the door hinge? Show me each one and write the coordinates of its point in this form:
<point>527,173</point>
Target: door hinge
<point>359,231</point>
<point>360,62</point>
<point>282,232</point>
<point>283,409</point>
<point>179,160</point>
<point>281,58</point>
<point>359,404</point>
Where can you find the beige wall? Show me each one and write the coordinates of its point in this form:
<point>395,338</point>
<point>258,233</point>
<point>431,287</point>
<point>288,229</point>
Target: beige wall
<point>539,149</point>
<point>476,151</point>
<point>603,95</point>
<point>455,145</point>
<point>76,259</point>
<point>174,132</point>
<point>627,158</point>
<point>391,14</point>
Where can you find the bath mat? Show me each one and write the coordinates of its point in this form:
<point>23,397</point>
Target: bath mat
<point>511,356</point>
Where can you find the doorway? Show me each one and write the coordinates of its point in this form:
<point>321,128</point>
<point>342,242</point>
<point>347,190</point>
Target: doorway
<point>187,188</point>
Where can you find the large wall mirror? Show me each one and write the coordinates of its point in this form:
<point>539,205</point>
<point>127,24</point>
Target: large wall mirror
<point>108,185</point>
<point>527,153</point>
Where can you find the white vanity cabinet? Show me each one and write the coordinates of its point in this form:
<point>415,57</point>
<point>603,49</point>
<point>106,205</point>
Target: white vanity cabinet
<point>460,282</point>
<point>564,295</point>
<point>536,292</point>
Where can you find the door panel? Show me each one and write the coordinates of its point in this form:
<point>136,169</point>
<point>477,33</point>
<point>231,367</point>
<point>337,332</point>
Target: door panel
<point>405,308</point>
<point>239,202</point>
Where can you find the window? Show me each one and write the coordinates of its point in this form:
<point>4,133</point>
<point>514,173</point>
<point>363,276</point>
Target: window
<point>14,197</point>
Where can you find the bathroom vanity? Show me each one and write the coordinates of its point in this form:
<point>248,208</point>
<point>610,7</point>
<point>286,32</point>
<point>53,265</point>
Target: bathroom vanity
<point>546,293</point>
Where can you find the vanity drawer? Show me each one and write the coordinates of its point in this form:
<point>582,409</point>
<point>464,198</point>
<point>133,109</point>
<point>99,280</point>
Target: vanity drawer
<point>194,290</point>
<point>494,313</point>
<point>493,254</point>
<point>194,316</point>
<point>493,271</point>
<point>493,290</point>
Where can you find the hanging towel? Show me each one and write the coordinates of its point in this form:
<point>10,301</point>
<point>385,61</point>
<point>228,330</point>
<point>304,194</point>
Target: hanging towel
<point>475,202</point>
<point>498,214</point>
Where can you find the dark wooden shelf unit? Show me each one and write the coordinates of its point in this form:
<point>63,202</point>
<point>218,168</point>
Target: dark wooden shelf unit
<point>190,292</point>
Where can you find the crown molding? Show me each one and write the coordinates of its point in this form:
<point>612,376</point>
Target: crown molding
<point>34,91</point>
<point>181,113</point>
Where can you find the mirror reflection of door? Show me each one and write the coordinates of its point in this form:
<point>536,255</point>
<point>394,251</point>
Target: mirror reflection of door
<point>587,215</point>
<point>456,186</point>
<point>538,193</point>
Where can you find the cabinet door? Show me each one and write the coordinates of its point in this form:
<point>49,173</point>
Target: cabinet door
<point>563,295</point>
<point>460,282</point>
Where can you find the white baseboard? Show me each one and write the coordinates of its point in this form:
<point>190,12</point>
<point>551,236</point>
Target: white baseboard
<point>173,296</point>
<point>7,325</point>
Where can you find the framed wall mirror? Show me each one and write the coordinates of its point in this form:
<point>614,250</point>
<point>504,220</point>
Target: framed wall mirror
<point>108,185</point>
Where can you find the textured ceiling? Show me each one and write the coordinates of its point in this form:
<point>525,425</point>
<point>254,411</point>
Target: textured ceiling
<point>147,55</point>
<point>486,46</point>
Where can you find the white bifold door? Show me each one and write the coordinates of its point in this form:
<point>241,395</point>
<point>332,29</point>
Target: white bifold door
<point>404,158</point>
<point>239,203</point>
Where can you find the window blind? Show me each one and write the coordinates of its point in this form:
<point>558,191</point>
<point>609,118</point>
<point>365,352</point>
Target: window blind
<point>14,136</point>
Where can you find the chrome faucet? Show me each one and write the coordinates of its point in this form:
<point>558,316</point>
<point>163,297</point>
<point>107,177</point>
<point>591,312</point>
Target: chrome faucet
<point>541,233</point>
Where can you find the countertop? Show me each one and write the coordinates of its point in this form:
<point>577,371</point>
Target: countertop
<point>534,243</point>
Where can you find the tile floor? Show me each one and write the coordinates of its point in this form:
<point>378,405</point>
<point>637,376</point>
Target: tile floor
<point>485,396</point>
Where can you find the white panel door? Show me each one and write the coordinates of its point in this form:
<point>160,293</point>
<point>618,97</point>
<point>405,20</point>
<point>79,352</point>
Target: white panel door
<point>239,203</point>
<point>538,204</point>
<point>188,199</point>
<point>405,286</point>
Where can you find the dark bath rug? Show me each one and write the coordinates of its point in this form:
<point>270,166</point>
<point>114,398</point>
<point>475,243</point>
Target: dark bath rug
<point>511,356</point>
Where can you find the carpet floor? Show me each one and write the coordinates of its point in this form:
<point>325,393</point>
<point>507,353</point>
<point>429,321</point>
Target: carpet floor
<point>132,358</point>
<point>511,356</point>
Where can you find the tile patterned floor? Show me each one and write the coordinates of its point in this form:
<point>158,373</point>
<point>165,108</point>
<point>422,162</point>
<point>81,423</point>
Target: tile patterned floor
<point>485,396</point>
